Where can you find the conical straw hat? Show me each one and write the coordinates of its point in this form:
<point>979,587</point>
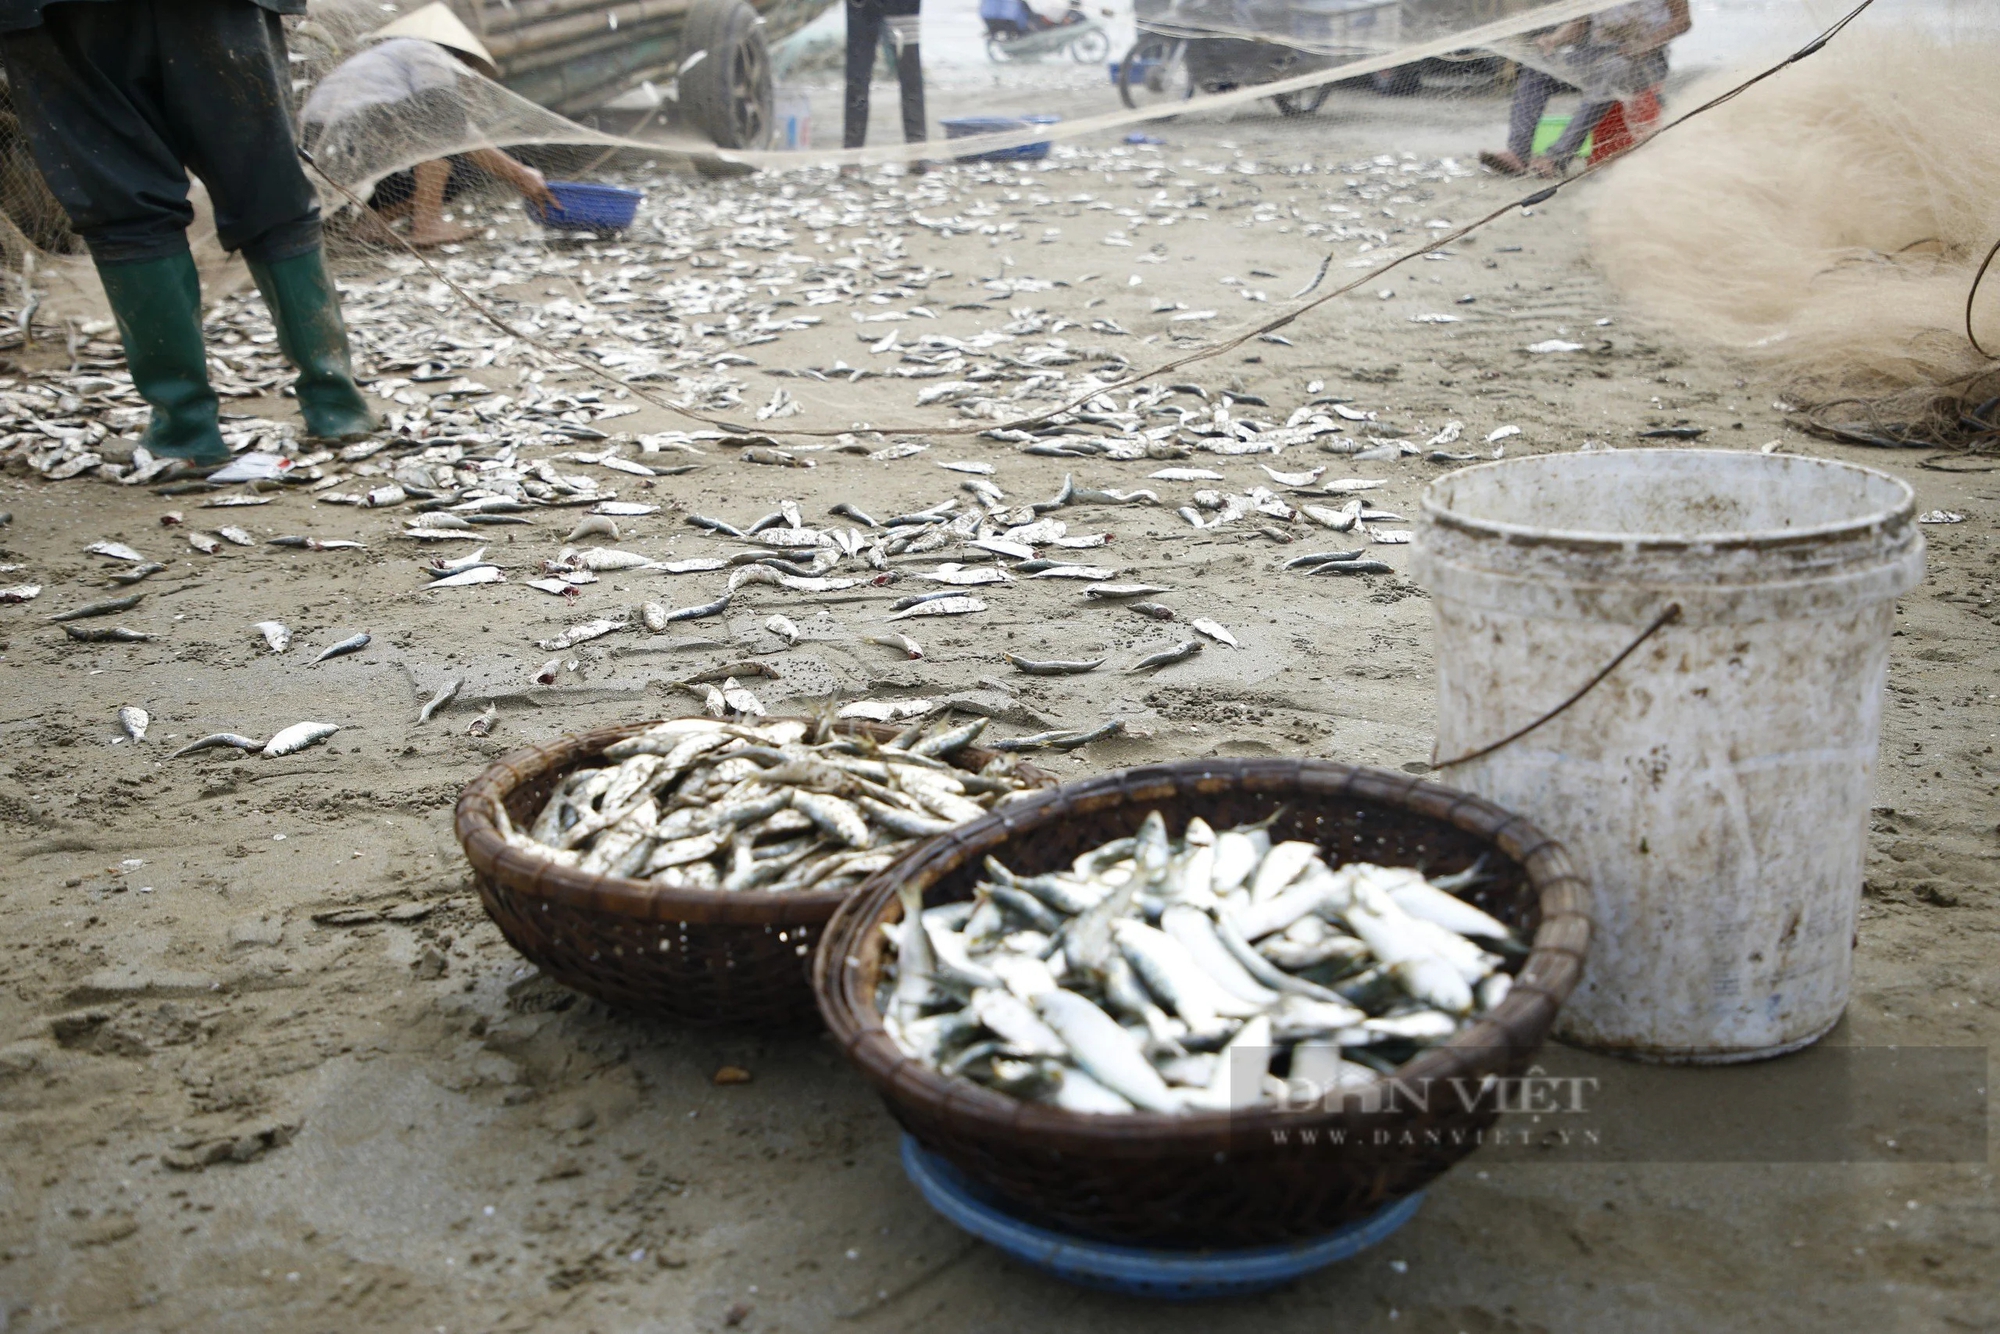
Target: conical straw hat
<point>436,23</point>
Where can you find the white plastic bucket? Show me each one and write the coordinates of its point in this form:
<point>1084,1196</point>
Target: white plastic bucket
<point>1715,787</point>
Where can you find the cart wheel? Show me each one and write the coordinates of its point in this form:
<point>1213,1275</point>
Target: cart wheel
<point>1155,70</point>
<point>1302,103</point>
<point>727,93</point>
<point>997,52</point>
<point>1090,48</point>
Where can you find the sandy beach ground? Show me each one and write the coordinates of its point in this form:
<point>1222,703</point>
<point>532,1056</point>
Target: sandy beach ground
<point>284,957</point>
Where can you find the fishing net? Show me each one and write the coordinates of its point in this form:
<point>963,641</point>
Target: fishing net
<point>660,94</point>
<point>1832,227</point>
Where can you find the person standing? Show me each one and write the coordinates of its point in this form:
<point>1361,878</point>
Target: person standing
<point>120,100</point>
<point>867,22</point>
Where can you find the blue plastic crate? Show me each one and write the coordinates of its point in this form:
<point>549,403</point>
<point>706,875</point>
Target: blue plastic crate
<point>964,127</point>
<point>582,207</point>
<point>1137,1270</point>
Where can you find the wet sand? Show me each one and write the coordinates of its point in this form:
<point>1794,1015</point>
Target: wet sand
<point>266,1065</point>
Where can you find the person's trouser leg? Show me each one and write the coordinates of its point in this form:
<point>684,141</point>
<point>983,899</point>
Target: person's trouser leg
<point>905,30</point>
<point>1532,91</point>
<point>864,30</point>
<point>118,98</point>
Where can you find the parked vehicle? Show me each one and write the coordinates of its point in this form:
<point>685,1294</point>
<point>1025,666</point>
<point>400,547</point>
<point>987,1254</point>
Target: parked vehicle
<point>1015,31</point>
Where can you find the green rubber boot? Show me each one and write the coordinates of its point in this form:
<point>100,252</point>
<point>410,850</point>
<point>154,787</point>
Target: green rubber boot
<point>306,311</point>
<point>157,303</point>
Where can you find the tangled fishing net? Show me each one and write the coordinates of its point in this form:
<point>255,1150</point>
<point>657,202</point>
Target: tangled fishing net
<point>1831,226</point>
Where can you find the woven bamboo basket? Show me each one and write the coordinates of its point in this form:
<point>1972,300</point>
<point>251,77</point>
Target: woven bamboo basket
<point>1219,1179</point>
<point>696,957</point>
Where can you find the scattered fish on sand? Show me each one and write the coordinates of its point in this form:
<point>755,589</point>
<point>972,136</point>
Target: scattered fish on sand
<point>216,740</point>
<point>110,634</point>
<point>949,606</point>
<point>1067,738</point>
<point>1180,652</point>
<point>107,607</point>
<point>351,644</point>
<point>134,720</point>
<point>1052,666</point>
<point>276,636</point>
<point>1215,630</point>
<point>296,738</point>
<point>903,644</point>
<point>445,695</point>
<point>478,574</point>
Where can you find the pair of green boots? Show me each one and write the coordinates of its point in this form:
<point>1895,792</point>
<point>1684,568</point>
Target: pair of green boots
<point>157,304</point>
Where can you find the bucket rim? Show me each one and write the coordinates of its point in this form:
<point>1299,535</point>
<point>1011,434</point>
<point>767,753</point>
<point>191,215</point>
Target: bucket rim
<point>1900,514</point>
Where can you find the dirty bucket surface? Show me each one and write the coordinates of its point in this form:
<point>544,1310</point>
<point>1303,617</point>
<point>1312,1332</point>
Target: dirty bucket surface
<point>1715,787</point>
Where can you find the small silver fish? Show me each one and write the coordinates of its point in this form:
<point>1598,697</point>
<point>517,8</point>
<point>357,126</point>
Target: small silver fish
<point>439,565</point>
<point>296,738</point>
<point>134,720</point>
<point>218,739</point>
<point>705,610</point>
<point>352,644</point>
<point>1152,610</point>
<point>1113,592</point>
<point>951,606</point>
<point>110,634</point>
<point>483,724</point>
<point>1052,666</point>
<point>203,543</point>
<point>115,551</point>
<point>903,643</point>
<point>138,572</point>
<point>1180,652</point>
<point>782,627</point>
<point>236,535</point>
<point>445,695</point>
<point>1214,630</point>
<point>478,574</point>
<point>595,525</point>
<point>105,608</point>
<point>275,635</point>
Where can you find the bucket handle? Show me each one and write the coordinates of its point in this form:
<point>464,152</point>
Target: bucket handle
<point>1660,622</point>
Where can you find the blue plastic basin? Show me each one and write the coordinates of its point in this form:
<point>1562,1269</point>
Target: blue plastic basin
<point>964,127</point>
<point>582,207</point>
<point>1137,1270</point>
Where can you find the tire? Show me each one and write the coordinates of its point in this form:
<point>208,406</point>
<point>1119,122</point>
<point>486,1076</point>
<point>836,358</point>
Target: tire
<point>727,93</point>
<point>1402,81</point>
<point>1302,103</point>
<point>1167,59</point>
<point>1090,48</point>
